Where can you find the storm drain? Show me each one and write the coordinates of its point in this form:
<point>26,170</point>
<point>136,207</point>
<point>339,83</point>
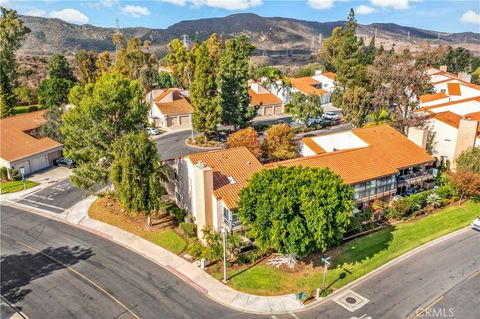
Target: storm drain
<point>351,301</point>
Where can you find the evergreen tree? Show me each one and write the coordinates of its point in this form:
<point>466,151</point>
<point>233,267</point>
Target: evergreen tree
<point>58,67</point>
<point>296,210</point>
<point>51,128</point>
<point>137,174</point>
<point>305,107</point>
<point>12,33</point>
<point>203,94</point>
<point>86,64</point>
<point>105,111</point>
<point>357,105</point>
<point>103,64</point>
<point>233,82</point>
<point>53,92</point>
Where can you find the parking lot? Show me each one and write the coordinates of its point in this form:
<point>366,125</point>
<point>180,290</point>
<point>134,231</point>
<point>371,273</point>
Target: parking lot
<point>56,198</point>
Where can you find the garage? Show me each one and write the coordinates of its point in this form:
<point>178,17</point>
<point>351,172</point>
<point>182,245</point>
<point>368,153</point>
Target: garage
<point>172,121</point>
<point>25,165</point>
<point>38,163</point>
<point>278,109</point>
<point>185,120</point>
<point>268,110</point>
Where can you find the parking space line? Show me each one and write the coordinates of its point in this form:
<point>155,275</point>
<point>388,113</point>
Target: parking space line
<point>294,315</point>
<point>42,197</point>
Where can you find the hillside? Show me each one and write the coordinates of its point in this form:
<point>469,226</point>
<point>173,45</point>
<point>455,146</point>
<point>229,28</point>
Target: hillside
<point>269,35</point>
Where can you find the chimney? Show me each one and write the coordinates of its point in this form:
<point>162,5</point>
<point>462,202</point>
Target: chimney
<point>202,187</point>
<point>418,136</point>
<point>443,68</point>
<point>467,133</point>
<point>318,72</point>
<point>465,77</point>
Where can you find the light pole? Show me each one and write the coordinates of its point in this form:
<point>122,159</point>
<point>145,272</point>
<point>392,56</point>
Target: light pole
<point>224,233</point>
<point>22,171</point>
<point>326,263</point>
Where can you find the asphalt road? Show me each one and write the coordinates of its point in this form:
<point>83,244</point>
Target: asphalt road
<point>444,279</point>
<point>56,198</point>
<point>53,270</point>
<point>171,145</point>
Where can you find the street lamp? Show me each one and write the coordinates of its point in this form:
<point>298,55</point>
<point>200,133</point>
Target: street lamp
<point>224,233</point>
<point>326,263</point>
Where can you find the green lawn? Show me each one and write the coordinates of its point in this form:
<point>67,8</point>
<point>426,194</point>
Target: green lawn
<point>357,257</point>
<point>108,211</point>
<point>168,239</point>
<point>15,186</point>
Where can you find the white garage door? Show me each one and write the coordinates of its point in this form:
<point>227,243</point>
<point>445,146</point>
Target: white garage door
<point>25,165</point>
<point>185,120</point>
<point>38,163</point>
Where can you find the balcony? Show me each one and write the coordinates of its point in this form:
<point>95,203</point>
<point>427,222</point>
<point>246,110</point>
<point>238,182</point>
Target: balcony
<point>375,196</point>
<point>415,178</point>
<point>232,224</point>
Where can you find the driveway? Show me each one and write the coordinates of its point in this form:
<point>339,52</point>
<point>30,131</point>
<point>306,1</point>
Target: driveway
<point>172,144</point>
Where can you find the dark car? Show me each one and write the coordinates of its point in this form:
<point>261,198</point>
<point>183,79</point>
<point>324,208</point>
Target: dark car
<point>63,161</point>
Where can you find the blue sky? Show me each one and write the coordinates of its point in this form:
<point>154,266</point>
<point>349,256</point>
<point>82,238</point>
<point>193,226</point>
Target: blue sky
<point>448,16</point>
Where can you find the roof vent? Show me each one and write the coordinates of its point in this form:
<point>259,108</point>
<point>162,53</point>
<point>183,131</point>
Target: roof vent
<point>231,180</point>
<point>201,164</point>
<point>249,162</point>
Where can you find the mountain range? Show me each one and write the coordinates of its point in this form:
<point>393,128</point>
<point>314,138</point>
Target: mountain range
<point>270,35</point>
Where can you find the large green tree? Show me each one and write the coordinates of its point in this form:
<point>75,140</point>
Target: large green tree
<point>105,111</point>
<point>296,210</point>
<point>53,92</point>
<point>469,161</point>
<point>53,124</point>
<point>58,67</point>
<point>457,60</point>
<point>137,174</point>
<point>207,111</point>
<point>278,143</point>
<point>12,33</point>
<point>86,64</point>
<point>233,82</point>
<point>356,105</point>
<point>183,61</point>
<point>304,107</point>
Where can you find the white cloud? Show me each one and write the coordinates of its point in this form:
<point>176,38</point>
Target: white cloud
<point>394,4</point>
<point>221,4</point>
<point>3,2</point>
<point>364,9</point>
<point>102,4</point>
<point>70,15</point>
<point>36,13</point>
<point>320,4</point>
<point>135,11</point>
<point>470,17</point>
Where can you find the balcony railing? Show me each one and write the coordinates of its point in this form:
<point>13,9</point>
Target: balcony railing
<point>232,223</point>
<point>415,177</point>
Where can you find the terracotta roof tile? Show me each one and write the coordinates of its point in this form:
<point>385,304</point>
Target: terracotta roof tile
<point>263,98</point>
<point>237,163</point>
<point>454,89</point>
<point>475,98</point>
<point>179,104</point>
<point>330,75</point>
<point>306,85</point>
<point>432,97</point>
<point>16,143</point>
<point>308,141</point>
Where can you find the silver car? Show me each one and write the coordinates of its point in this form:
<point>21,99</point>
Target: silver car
<point>476,224</point>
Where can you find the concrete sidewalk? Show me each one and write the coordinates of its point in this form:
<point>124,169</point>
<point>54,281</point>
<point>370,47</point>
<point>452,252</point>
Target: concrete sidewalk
<point>187,271</point>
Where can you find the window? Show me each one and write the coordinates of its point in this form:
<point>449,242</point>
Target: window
<point>230,218</point>
<point>175,176</point>
<point>178,196</point>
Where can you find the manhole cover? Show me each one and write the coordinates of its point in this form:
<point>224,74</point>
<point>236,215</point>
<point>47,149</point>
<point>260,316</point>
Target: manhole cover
<point>351,301</point>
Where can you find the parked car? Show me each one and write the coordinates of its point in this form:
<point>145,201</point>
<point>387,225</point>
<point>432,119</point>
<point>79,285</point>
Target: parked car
<point>65,162</point>
<point>153,131</point>
<point>280,122</point>
<point>331,116</point>
<point>476,224</point>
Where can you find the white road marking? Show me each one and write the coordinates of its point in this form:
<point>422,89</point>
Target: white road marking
<point>42,204</point>
<point>274,317</point>
<point>294,315</point>
<point>42,197</point>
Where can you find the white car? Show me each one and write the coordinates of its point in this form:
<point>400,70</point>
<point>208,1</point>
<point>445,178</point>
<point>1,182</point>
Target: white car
<point>153,131</point>
<point>331,116</point>
<point>476,224</point>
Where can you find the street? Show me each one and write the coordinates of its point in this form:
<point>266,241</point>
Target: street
<point>53,270</point>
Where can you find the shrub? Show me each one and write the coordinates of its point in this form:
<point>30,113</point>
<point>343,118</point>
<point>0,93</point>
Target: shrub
<point>3,173</point>
<point>196,249</point>
<point>32,108</point>
<point>434,200</point>
<point>360,221</point>
<point>15,174</point>
<point>189,229</point>
<point>250,257</point>
<point>176,211</point>
<point>445,192</point>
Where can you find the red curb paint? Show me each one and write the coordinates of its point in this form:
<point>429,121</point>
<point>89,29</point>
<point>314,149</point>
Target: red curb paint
<point>190,281</point>
<point>96,232</point>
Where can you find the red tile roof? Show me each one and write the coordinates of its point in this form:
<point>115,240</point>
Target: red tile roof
<point>16,143</point>
<point>179,105</point>
<point>263,98</point>
<point>306,85</point>
<point>432,97</point>
<point>454,89</point>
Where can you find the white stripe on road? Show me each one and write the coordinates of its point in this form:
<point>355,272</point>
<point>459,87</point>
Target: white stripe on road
<point>294,315</point>
<point>42,197</point>
<point>42,204</point>
<point>274,317</point>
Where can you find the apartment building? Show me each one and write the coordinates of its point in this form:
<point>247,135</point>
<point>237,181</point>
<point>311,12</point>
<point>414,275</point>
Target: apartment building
<point>454,113</point>
<point>378,162</point>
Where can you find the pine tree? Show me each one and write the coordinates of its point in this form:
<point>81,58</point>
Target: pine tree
<point>203,94</point>
<point>233,82</point>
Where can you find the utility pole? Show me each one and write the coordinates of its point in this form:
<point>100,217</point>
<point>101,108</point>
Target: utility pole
<point>408,36</point>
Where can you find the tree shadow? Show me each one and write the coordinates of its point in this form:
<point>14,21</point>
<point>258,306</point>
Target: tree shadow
<point>19,270</point>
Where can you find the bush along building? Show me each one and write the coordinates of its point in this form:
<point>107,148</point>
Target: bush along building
<point>377,162</point>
